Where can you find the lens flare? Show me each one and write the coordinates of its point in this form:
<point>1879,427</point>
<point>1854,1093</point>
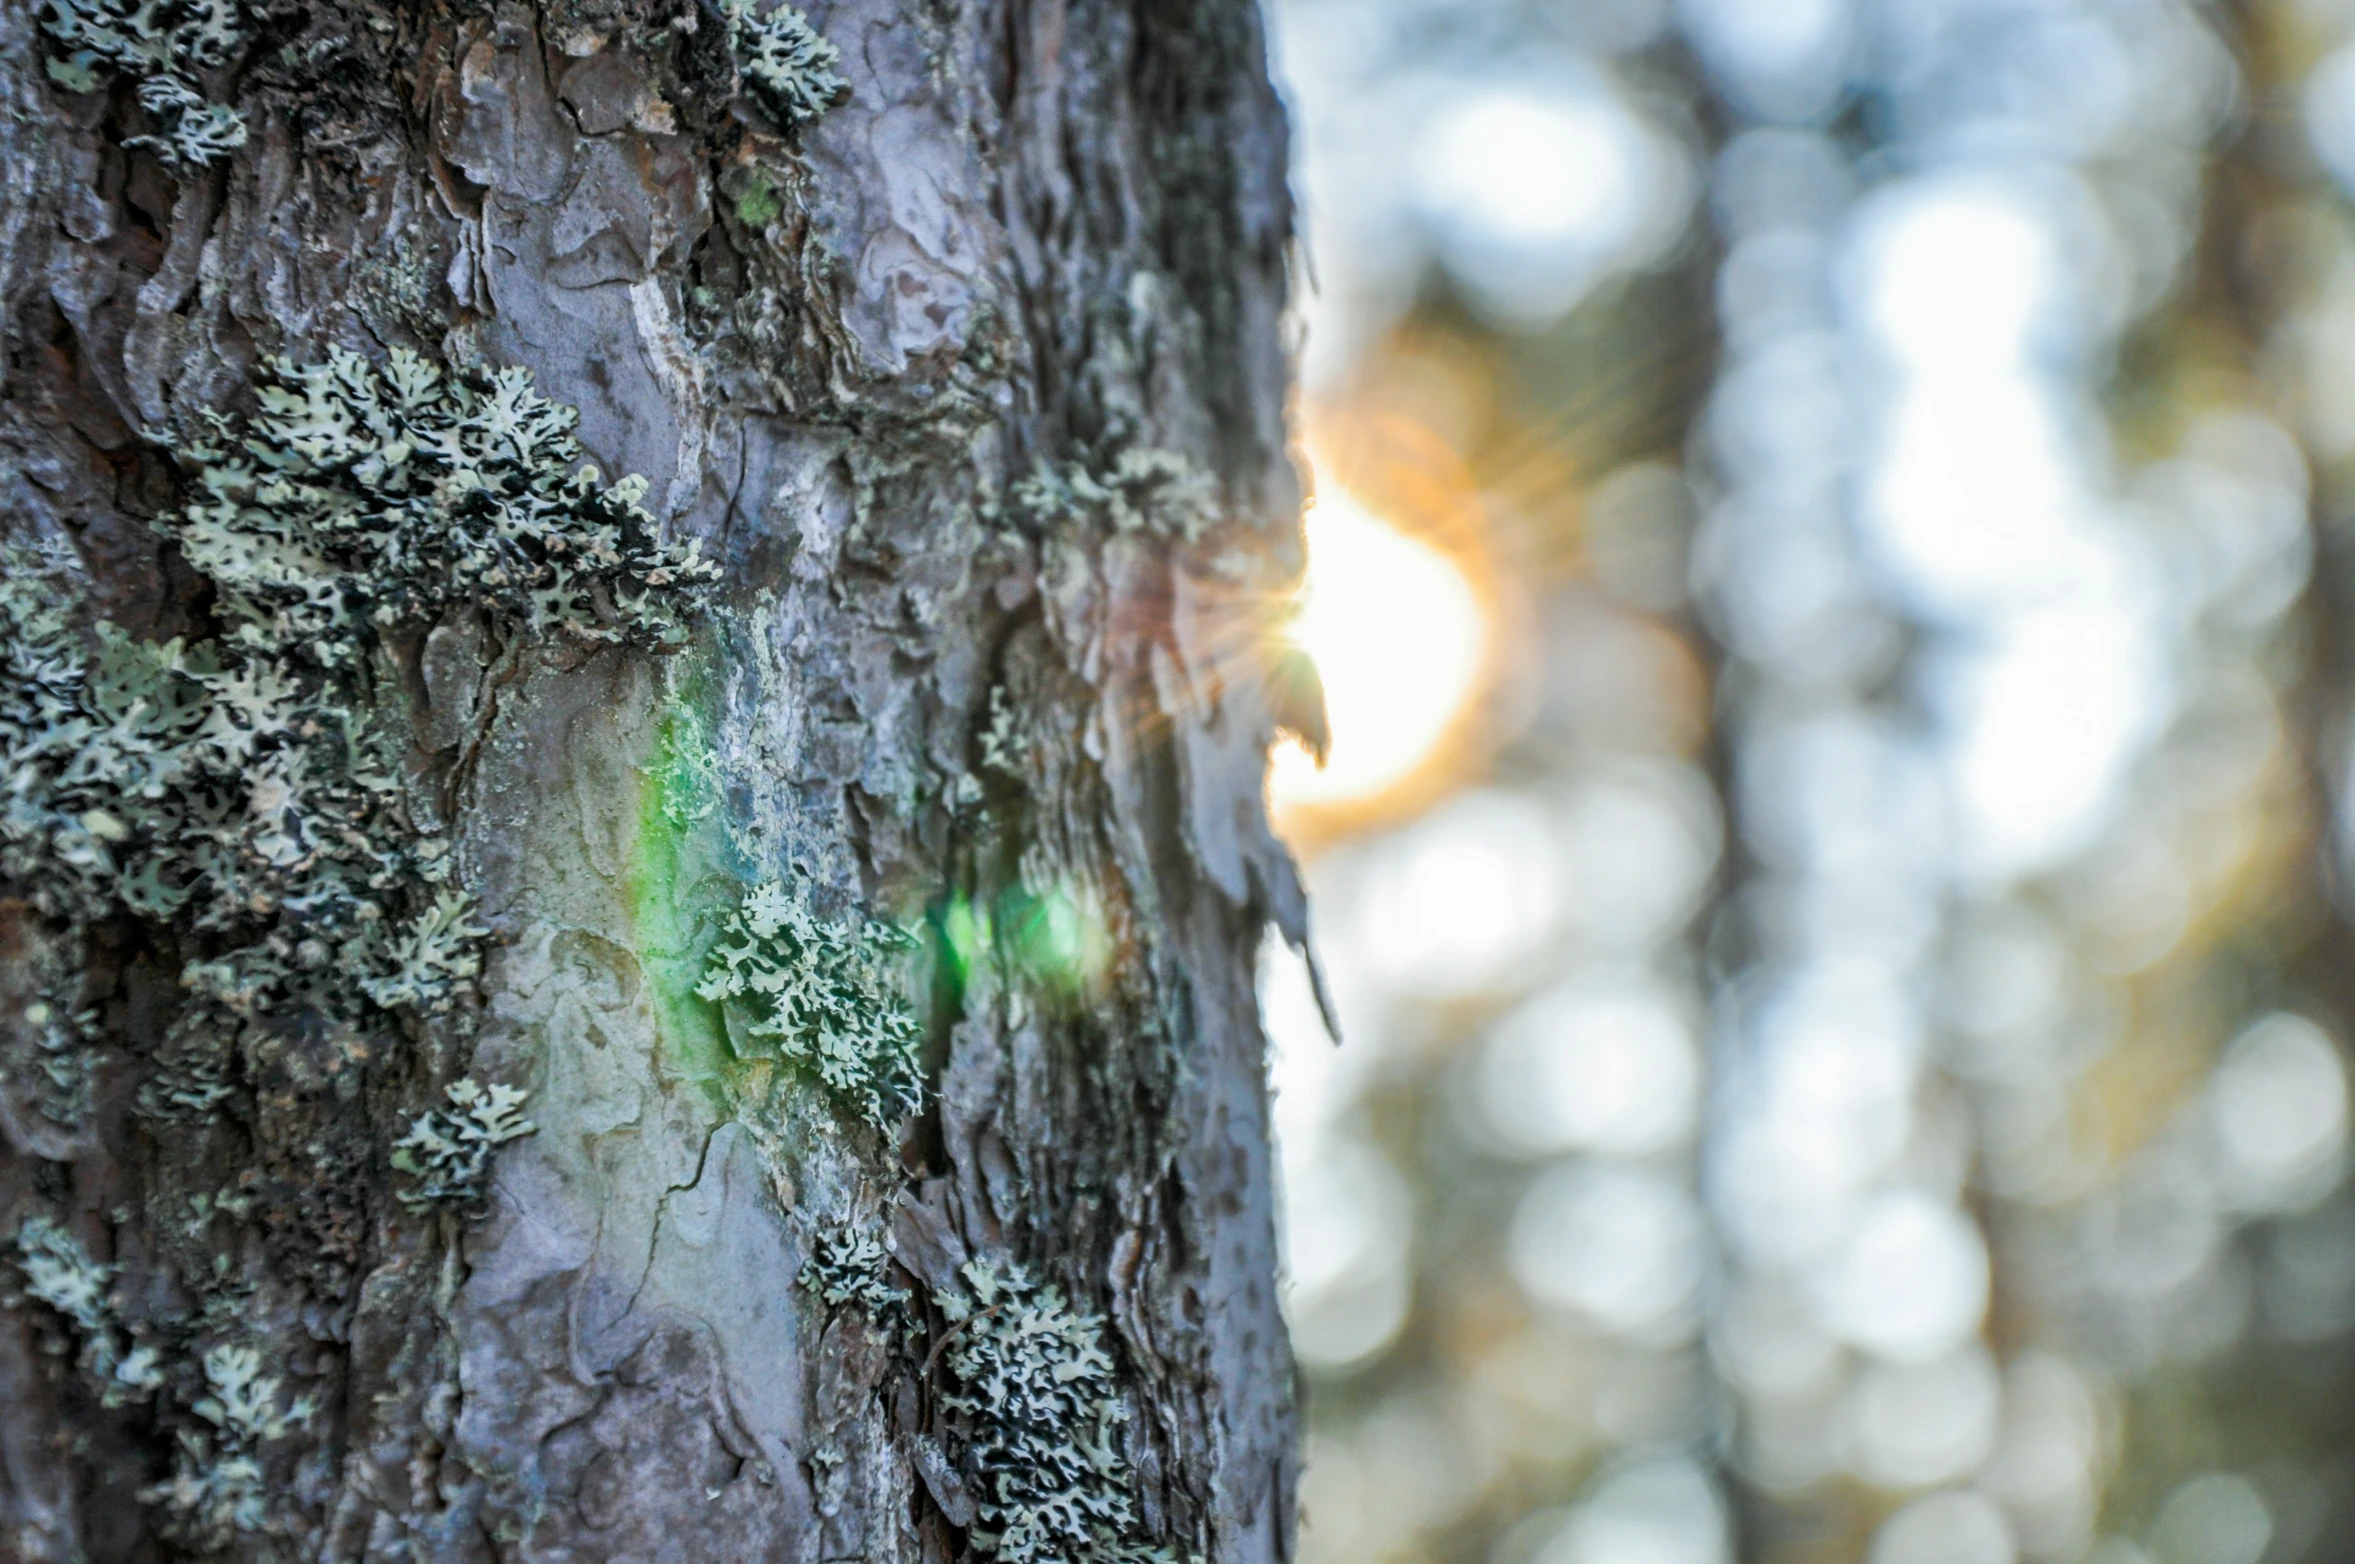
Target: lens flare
<point>1397,634</point>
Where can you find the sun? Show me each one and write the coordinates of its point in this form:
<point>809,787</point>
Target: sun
<point>1400,639</point>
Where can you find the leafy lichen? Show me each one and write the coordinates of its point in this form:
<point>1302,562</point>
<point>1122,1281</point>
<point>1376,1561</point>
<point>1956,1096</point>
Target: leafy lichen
<point>217,1486</point>
<point>253,792</point>
<point>1044,1415</point>
<point>1143,490</point>
<point>93,750</point>
<point>434,960</point>
<point>1001,740</point>
<point>822,995</point>
<point>793,71</point>
<point>449,1150</point>
<point>364,496</point>
<point>247,783</point>
<point>162,44</point>
<point>851,1268</point>
<point>52,1068</point>
<point>60,1273</point>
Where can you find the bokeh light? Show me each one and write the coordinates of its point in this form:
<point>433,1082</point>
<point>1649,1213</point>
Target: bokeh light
<point>1844,949</point>
<point>1398,636</point>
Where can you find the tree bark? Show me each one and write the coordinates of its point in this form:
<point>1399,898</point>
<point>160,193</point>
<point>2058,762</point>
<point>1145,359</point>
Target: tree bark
<point>972,387</point>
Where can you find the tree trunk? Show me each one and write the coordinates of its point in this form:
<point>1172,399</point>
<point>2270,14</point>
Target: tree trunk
<point>525,1040</point>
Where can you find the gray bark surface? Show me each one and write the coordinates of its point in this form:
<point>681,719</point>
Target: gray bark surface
<point>1032,234</point>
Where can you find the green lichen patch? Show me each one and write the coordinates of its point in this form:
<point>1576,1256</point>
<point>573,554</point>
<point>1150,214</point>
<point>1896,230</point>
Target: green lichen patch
<point>1001,739</point>
<point>433,960</point>
<point>93,749</point>
<point>91,774</point>
<point>1043,1410</point>
<point>218,1486</point>
<point>58,1272</point>
<point>448,1150</point>
<point>358,500</point>
<point>849,1268</point>
<point>1143,490</point>
<point>46,1060</point>
<point>758,201</point>
<point>262,802</point>
<point>223,785</point>
<point>792,70</point>
<point>163,45</point>
<point>823,995</point>
<point>360,497</point>
<point>228,1407</point>
<point>299,858</point>
<point>252,788</point>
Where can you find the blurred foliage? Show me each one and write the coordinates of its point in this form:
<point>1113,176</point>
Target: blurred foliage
<point>1847,1041</point>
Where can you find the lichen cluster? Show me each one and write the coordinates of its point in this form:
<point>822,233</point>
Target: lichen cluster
<point>251,793</point>
<point>448,1150</point>
<point>163,45</point>
<point>822,995</point>
<point>1143,490</point>
<point>46,1059</point>
<point>249,785</point>
<point>59,1273</point>
<point>793,71</point>
<point>1001,740</point>
<point>217,1484</point>
<point>94,750</point>
<point>850,1268</point>
<point>1044,1414</point>
<point>364,497</point>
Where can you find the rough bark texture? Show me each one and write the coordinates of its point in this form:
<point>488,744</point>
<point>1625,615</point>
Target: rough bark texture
<point>1033,236</point>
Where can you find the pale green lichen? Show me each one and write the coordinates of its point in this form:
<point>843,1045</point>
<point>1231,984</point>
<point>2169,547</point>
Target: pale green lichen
<point>162,44</point>
<point>1143,490</point>
<point>246,782</point>
<point>449,1150</point>
<point>824,996</point>
<point>253,792</point>
<point>364,496</point>
<point>217,1486</point>
<point>53,1075</point>
<point>851,1268</point>
<point>93,749</point>
<point>1043,1421</point>
<point>60,1273</point>
<point>793,71</point>
<point>757,200</point>
<point>361,498</point>
<point>438,957</point>
<point>234,783</point>
<point>1001,741</point>
<point>63,767</point>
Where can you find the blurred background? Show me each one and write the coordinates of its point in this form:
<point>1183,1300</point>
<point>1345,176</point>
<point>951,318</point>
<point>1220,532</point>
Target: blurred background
<point>1834,568</point>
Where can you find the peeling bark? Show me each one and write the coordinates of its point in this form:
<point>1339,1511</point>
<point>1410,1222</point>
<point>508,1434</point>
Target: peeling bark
<point>1033,236</point>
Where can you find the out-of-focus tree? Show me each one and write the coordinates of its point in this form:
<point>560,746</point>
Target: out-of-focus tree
<point>1847,1042</point>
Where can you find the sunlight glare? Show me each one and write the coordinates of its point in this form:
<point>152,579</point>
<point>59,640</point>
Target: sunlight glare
<point>1398,637</point>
